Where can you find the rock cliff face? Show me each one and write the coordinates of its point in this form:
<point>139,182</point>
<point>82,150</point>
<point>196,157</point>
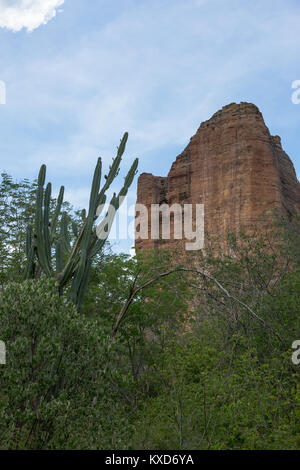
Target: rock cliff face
<point>235,168</point>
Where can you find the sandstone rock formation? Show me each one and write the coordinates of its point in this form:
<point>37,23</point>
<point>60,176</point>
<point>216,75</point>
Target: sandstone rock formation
<point>234,167</point>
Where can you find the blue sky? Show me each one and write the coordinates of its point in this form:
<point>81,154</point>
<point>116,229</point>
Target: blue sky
<point>79,73</point>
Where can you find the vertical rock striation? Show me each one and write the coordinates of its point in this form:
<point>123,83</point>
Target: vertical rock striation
<point>235,168</point>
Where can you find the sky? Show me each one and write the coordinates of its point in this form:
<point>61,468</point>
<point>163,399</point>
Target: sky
<point>77,74</point>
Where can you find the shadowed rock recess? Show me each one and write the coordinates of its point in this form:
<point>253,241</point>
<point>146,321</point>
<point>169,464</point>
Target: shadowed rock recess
<point>232,165</point>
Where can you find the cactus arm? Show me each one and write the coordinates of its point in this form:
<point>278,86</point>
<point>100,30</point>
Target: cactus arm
<point>107,222</point>
<point>83,286</point>
<point>42,175</point>
<point>114,168</point>
<point>77,280</point>
<point>82,270</point>
<point>57,212</point>
<point>41,247</point>
<point>64,234</point>
<point>127,183</point>
<point>99,244</point>
<point>59,256</point>
<point>94,196</point>
<point>28,240</point>
<point>46,224</point>
<point>64,277</point>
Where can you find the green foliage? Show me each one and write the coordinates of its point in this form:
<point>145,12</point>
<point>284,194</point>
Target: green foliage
<point>230,382</point>
<point>17,216</point>
<point>189,368</point>
<point>16,211</point>
<point>219,395</point>
<point>55,366</point>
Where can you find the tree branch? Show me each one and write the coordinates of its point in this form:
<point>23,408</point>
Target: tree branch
<point>134,291</point>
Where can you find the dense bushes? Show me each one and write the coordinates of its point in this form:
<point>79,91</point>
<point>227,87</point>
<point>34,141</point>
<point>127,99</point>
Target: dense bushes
<point>190,367</point>
<point>55,363</point>
<point>219,383</point>
<point>221,396</point>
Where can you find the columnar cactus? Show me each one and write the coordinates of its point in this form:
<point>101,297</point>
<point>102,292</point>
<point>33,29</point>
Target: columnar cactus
<point>73,263</point>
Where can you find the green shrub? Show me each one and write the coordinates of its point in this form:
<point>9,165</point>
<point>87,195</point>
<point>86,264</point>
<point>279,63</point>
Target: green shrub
<point>54,370</point>
<point>213,398</point>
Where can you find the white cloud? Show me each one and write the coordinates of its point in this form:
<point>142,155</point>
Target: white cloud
<point>30,14</point>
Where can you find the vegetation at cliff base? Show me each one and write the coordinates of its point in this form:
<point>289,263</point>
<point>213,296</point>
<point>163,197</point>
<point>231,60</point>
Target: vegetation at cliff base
<point>196,362</point>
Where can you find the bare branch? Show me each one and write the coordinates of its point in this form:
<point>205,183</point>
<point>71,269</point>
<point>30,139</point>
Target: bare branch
<point>134,291</point>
